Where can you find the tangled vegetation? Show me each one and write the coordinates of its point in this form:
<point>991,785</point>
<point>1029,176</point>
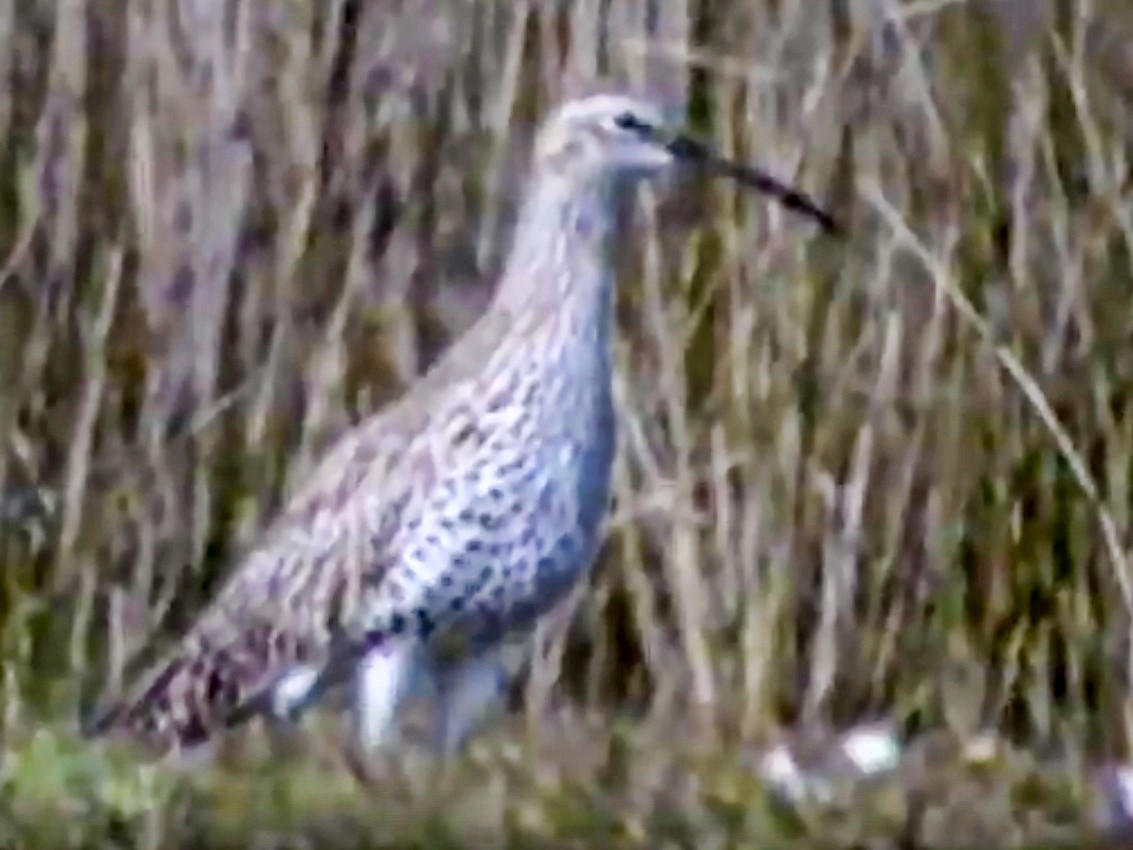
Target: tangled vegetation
<point>886,478</point>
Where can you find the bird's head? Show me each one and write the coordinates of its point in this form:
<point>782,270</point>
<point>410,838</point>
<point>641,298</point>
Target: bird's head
<point>613,138</point>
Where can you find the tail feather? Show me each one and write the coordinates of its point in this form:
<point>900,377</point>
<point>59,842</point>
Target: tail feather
<point>202,689</point>
<point>98,721</point>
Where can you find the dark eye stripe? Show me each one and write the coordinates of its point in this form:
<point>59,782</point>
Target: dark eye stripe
<point>629,121</point>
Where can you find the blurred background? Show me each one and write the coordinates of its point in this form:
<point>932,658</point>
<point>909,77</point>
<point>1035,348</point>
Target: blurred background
<point>885,480</point>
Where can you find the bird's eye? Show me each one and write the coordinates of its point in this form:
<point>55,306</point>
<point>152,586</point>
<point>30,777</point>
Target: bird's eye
<point>629,121</point>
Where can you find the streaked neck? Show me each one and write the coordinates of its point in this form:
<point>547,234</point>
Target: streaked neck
<point>562,255</point>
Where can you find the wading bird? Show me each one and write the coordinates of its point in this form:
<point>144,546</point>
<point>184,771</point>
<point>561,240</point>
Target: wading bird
<point>460,514</point>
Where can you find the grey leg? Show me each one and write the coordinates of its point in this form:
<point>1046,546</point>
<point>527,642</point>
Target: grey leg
<point>383,680</point>
<point>465,694</point>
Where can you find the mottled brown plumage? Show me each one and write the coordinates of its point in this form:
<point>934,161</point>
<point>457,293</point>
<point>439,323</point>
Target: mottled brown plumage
<point>304,575</point>
<point>467,509</point>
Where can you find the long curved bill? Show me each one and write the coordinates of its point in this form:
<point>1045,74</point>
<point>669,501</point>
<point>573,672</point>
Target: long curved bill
<point>689,150</point>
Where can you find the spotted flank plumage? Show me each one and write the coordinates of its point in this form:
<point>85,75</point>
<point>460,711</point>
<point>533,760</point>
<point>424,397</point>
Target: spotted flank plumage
<point>462,513</point>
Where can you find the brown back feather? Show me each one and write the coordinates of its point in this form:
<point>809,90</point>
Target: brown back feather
<point>290,593</point>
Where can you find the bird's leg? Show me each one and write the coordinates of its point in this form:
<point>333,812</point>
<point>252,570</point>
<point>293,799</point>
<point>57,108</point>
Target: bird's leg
<point>382,681</point>
<point>465,693</point>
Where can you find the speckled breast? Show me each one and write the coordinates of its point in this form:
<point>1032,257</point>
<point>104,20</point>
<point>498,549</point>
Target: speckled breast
<point>550,537</point>
<point>504,539</point>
